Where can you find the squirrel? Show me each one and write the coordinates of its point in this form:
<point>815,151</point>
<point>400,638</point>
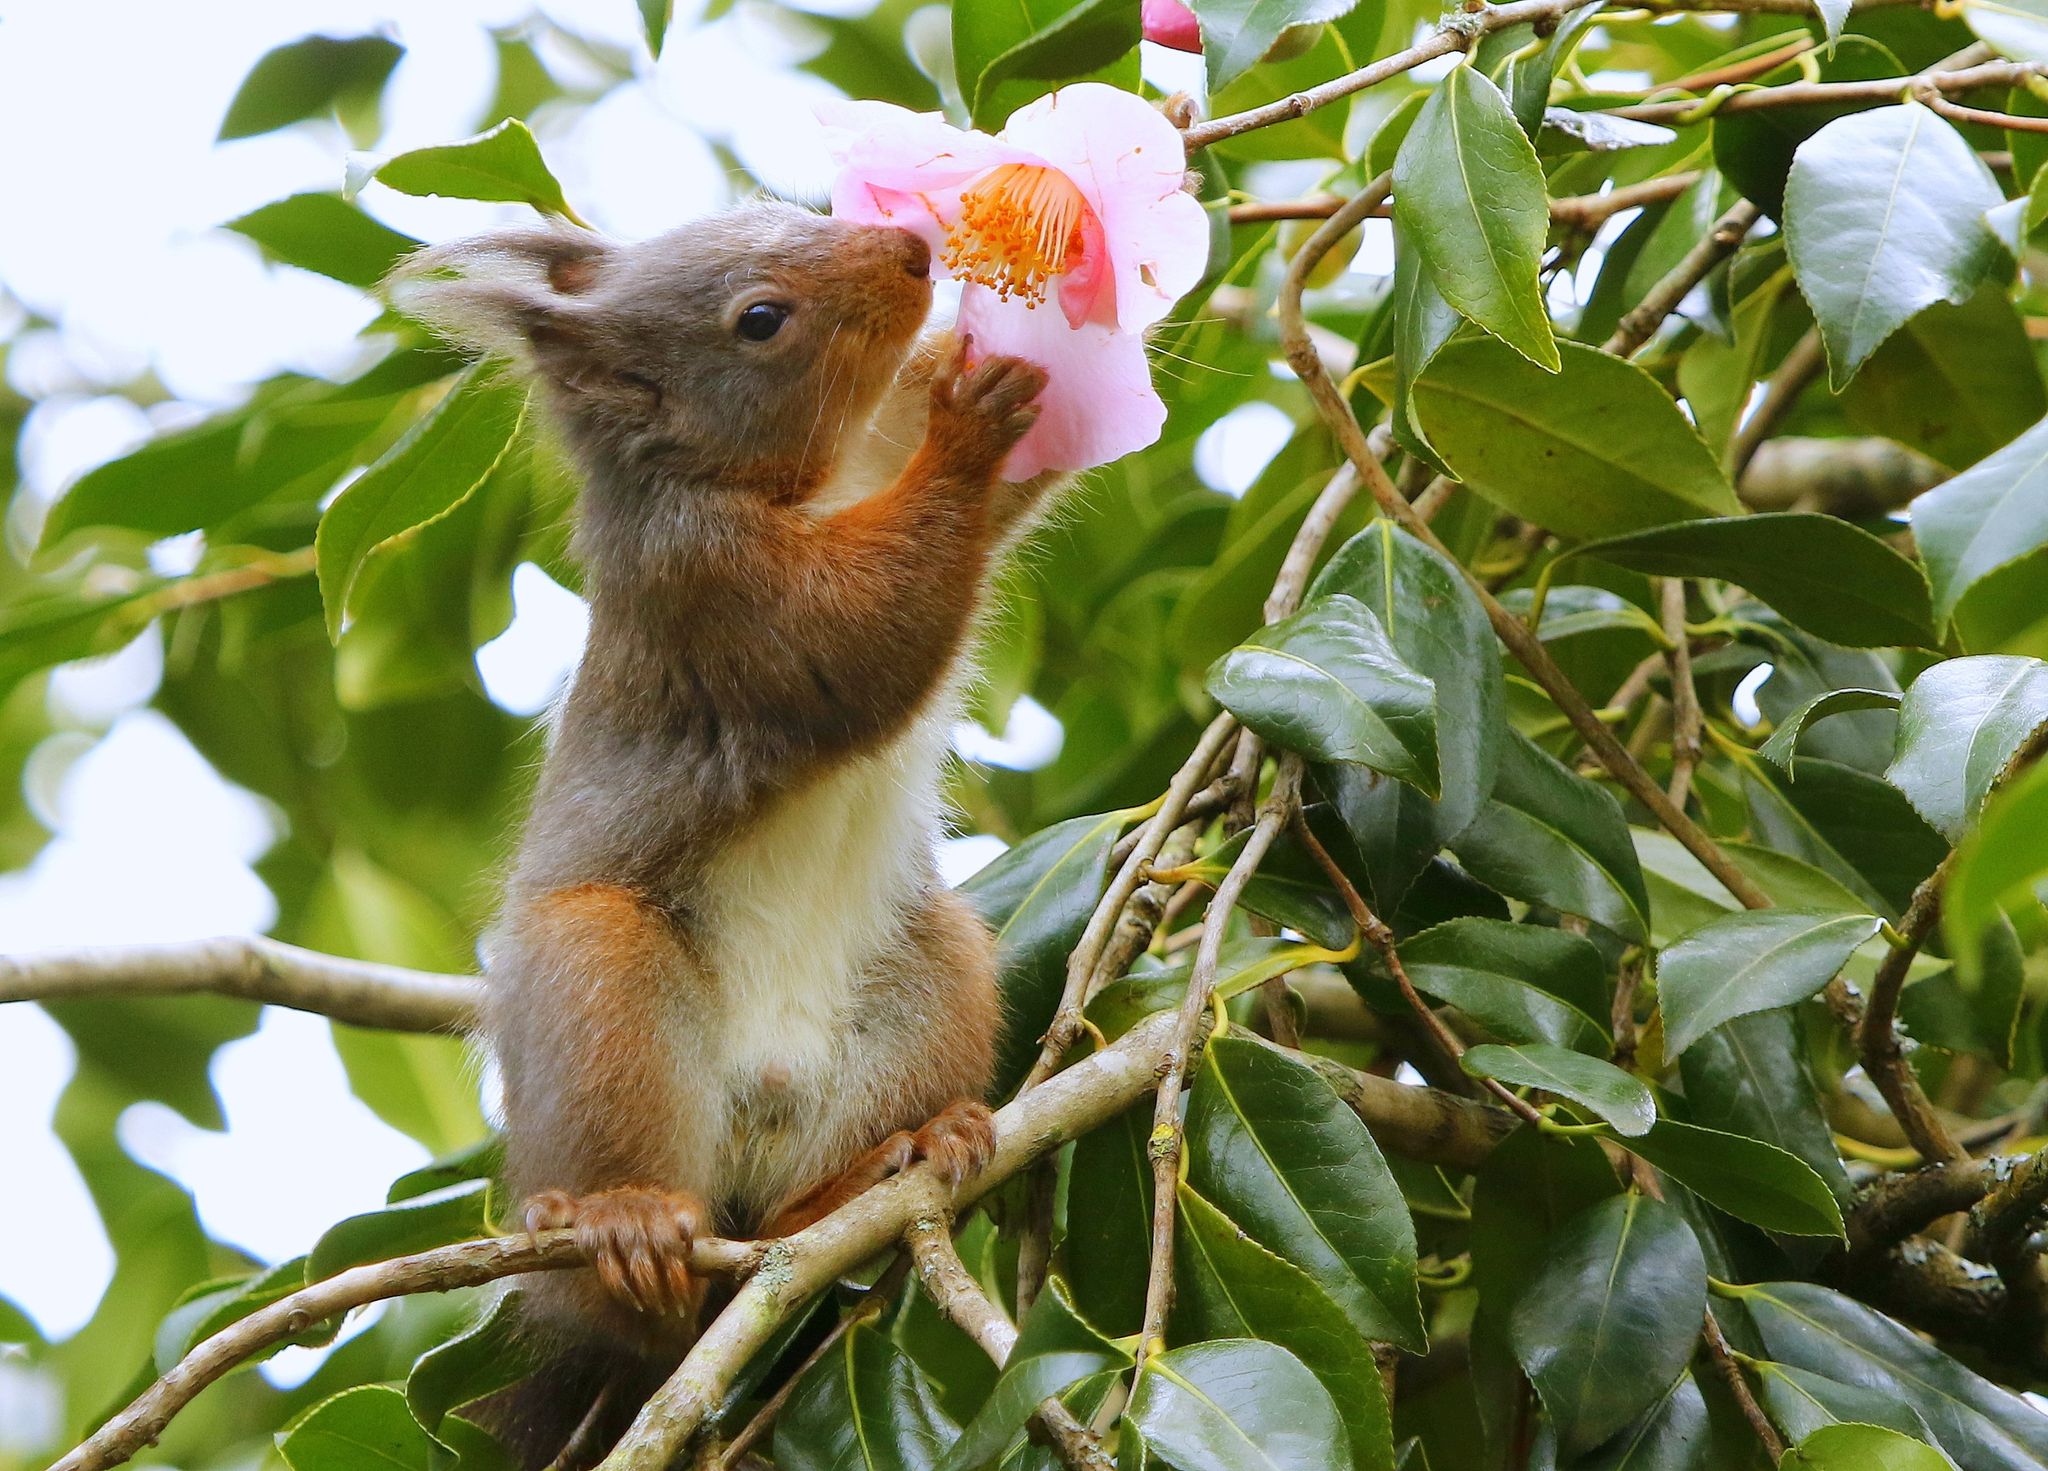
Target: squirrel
<point>727,990</point>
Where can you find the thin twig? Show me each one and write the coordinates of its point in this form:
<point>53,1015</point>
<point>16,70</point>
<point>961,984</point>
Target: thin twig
<point>466,1264</point>
<point>1720,242</point>
<point>1687,725</point>
<point>1165,1145</point>
<point>1930,83</point>
<point>1884,1058</point>
<point>1800,366</point>
<point>1738,1386</point>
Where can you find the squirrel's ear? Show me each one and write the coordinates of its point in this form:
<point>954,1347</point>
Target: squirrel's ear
<point>511,293</point>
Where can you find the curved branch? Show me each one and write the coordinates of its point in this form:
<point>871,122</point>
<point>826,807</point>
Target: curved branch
<point>254,968</point>
<point>466,1264</point>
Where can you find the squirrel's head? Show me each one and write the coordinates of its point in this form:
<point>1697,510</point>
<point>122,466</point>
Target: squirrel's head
<point>740,347</point>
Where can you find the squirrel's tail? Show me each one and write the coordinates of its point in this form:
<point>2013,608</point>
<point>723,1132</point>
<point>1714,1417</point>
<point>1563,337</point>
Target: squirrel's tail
<point>567,1415</point>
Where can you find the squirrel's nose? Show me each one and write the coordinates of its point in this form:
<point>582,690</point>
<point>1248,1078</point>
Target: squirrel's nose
<point>917,254</point>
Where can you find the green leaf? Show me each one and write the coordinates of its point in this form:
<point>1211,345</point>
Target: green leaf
<point>1984,1427</point>
<point>863,1407</point>
<point>1472,203</point>
<point>1037,897</point>
<point>1439,629</point>
<point>1608,1322</point>
<point>1884,217</point>
<point>1779,749</point>
<point>425,475</point>
<point>1277,1151</point>
<point>1521,982</point>
<point>1836,581</point>
<point>1591,1082</point>
<point>458,1213</point>
<point>1236,1404</point>
<point>2001,864</point>
<point>1056,1349</point>
<point>1108,1244</point>
<point>325,234</point>
<point>2017,29</point>
<point>1034,41</point>
<point>1675,1435</point>
<point>1598,449</point>
<point>502,164</point>
<point>1328,683</point>
<point>1237,33</point>
<point>1956,382</point>
<point>1231,1287</point>
<point>1749,1179</point>
<point>655,16</point>
<point>1747,1077</point>
<point>1959,724</point>
<point>484,1358</point>
<point>1858,828</point>
<point>1549,836</point>
<point>309,78</point>
<point>1423,323</point>
<point>1752,961</point>
<point>1863,1448</point>
<point>479,1161</point>
<point>1802,1402</point>
<point>359,1428</point>
<point>1986,518</point>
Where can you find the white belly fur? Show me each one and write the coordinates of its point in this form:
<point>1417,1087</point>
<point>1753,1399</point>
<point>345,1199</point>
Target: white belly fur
<point>800,904</point>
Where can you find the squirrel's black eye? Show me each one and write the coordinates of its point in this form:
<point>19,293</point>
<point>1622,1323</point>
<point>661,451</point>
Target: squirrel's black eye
<point>762,321</point>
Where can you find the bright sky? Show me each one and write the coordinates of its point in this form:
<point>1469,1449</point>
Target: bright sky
<point>109,232</point>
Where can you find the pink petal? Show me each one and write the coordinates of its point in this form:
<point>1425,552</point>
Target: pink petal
<point>1171,23</point>
<point>1098,404</point>
<point>1129,164</point>
<point>904,168</point>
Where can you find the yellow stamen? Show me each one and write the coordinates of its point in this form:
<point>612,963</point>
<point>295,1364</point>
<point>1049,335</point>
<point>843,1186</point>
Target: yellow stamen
<point>1018,226</point>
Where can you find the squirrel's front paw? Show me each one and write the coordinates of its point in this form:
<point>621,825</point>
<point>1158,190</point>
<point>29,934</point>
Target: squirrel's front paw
<point>978,414</point>
<point>638,1240</point>
<point>960,1142</point>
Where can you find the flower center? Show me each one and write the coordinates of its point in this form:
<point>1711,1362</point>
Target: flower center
<point>1018,226</point>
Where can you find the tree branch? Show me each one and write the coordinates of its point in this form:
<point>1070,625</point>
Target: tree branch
<point>1720,242</point>
<point>359,992</point>
<point>467,1264</point>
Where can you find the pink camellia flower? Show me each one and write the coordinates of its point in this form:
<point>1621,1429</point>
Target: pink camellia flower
<point>1078,201</point>
<point>1171,23</point>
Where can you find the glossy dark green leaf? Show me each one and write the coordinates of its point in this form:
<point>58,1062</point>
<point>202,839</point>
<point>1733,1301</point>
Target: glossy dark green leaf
<point>1991,515</point>
<point>1290,889</point>
<point>1056,1349</point>
<point>458,1213</point>
<point>1956,382</point>
<point>863,1407</point>
<point>1034,41</point>
<point>361,1427</point>
<point>1423,322</point>
<point>1598,449</point>
<point>1855,827</point>
<point>1801,1402</point>
<point>1884,217</point>
<point>1983,1427</point>
<point>1549,836</point>
<point>1747,1077</point>
<point>1236,1404</point>
<point>502,164</point>
<point>1609,1320</point>
<point>1575,609</point>
<point>1591,1082</point>
<point>1863,1448</point>
<point>433,469</point>
<point>1960,723</point>
<point>1749,1179</point>
<point>308,78</point>
<point>1327,682</point>
<point>1278,1152</point>
<point>1436,624</point>
<point>1231,1287</point>
<point>1107,1249</point>
<point>1835,580</point>
<point>1522,983</point>
<point>2001,864</point>
<point>1675,1435</point>
<point>1037,897</point>
<point>486,1357</point>
<point>1784,740</point>
<point>1472,204</point>
<point>326,234</point>
<point>1752,961</point>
